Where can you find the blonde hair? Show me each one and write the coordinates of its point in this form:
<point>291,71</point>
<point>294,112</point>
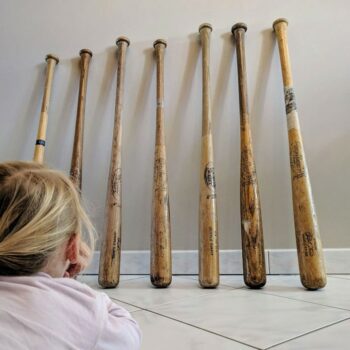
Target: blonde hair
<point>39,210</point>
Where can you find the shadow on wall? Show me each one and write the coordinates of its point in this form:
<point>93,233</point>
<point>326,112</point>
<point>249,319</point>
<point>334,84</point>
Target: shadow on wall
<point>99,124</point>
<point>268,44</point>
<point>137,163</point>
<point>181,117</point>
<point>143,93</point>
<point>332,211</point>
<point>27,126</point>
<point>224,110</point>
<point>182,150</point>
<point>223,80</point>
<point>278,228</point>
<point>99,116</point>
<point>67,114</point>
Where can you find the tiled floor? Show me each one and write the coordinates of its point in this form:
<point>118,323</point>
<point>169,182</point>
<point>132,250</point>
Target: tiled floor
<point>280,316</point>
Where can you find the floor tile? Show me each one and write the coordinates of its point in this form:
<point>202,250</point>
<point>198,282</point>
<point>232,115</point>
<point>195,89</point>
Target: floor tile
<point>335,294</point>
<point>128,307</point>
<point>91,281</point>
<point>335,337</point>
<point>159,332</point>
<point>235,281</point>
<point>257,319</point>
<point>141,293</point>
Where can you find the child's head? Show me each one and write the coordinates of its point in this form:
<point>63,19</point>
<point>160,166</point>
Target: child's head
<point>40,212</point>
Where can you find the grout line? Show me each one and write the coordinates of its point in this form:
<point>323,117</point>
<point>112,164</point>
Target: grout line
<point>310,332</point>
<point>300,300</point>
<point>339,277</point>
<point>200,328</point>
<point>141,308</point>
<point>176,300</point>
<point>131,312</point>
<point>129,279</point>
<point>98,288</point>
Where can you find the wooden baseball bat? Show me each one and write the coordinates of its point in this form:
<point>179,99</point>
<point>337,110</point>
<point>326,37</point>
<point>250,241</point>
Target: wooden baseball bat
<point>77,154</point>
<point>251,224</point>
<point>160,231</point>
<point>39,149</point>
<point>209,274</point>
<point>109,270</point>
<point>309,246</point>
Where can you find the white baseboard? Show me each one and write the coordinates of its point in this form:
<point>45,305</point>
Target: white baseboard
<point>185,262</point>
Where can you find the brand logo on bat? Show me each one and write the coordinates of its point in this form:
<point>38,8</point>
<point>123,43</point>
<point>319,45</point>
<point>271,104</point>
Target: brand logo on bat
<point>116,182</point>
<point>309,244</point>
<point>289,98</point>
<point>209,176</point>
<point>40,142</point>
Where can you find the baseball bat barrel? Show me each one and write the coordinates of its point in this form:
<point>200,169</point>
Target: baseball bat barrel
<point>309,246</point>
<point>208,223</point>
<point>39,150</point>
<point>160,232</point>
<point>109,269</point>
<point>77,154</point>
<point>251,223</point>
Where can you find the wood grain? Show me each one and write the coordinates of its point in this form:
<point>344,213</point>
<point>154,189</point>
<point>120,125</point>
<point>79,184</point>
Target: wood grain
<point>109,270</point>
<point>77,154</point>
<point>253,255</point>
<point>161,274</point>
<point>309,246</point>
<point>39,150</point>
<point>209,275</point>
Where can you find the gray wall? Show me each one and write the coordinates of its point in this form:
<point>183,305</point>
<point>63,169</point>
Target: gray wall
<point>319,43</point>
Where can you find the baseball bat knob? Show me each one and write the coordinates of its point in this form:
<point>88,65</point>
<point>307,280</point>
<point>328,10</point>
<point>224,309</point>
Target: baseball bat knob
<point>160,41</point>
<point>279,20</point>
<point>205,25</point>
<point>123,38</point>
<point>51,56</point>
<point>239,26</point>
<point>82,51</point>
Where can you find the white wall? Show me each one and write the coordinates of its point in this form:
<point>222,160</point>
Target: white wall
<point>319,43</point>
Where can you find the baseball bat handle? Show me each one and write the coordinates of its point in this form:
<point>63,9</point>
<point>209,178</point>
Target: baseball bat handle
<point>77,154</point>
<point>209,275</point>
<point>39,149</point>
<point>109,270</point>
<point>309,245</point>
<point>253,255</point>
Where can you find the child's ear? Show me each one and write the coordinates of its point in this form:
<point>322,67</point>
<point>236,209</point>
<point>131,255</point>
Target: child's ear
<point>72,250</point>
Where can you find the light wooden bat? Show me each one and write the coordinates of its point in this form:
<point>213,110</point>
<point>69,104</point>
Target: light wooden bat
<point>309,246</point>
<point>39,150</point>
<point>109,270</point>
<point>209,275</point>
<point>160,233</point>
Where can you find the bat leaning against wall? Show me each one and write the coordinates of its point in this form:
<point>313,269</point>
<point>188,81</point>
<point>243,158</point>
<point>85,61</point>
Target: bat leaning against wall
<point>77,154</point>
<point>160,232</point>
<point>251,224</point>
<point>39,150</point>
<point>209,274</point>
<point>309,246</point>
<point>109,270</point>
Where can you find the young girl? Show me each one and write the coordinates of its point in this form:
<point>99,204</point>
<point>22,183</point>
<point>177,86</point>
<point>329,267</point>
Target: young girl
<point>41,225</point>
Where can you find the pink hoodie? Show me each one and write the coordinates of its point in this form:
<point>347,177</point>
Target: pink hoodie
<point>44,313</point>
